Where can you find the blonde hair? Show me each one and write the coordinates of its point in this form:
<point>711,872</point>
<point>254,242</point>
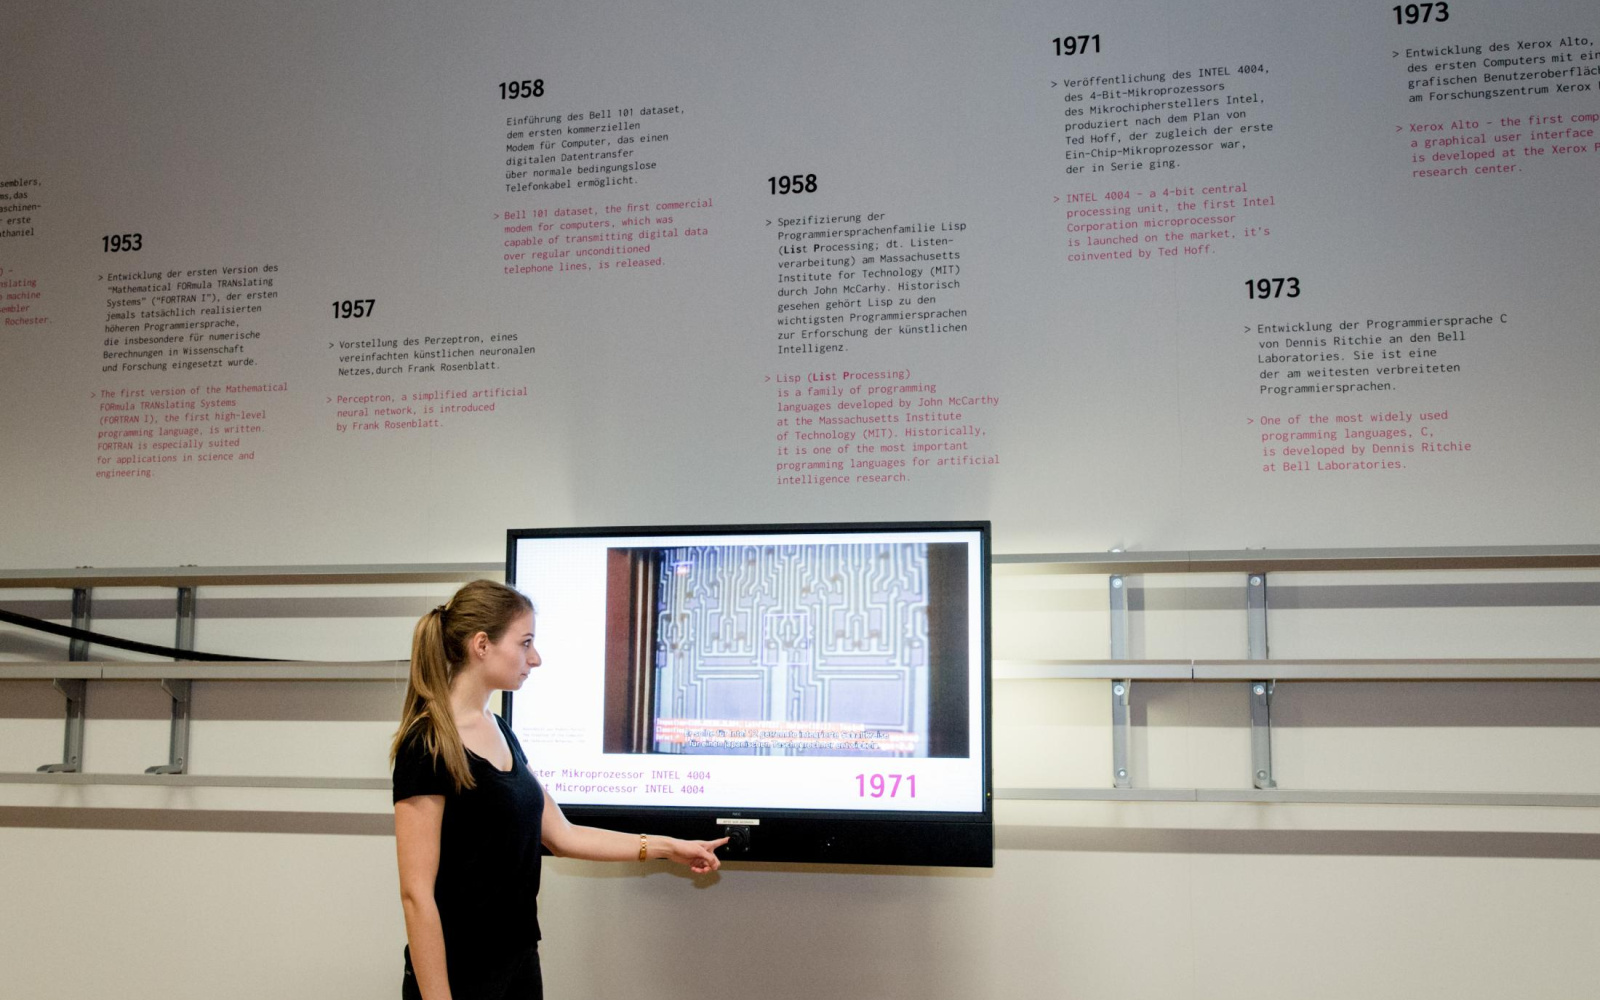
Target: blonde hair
<point>438,652</point>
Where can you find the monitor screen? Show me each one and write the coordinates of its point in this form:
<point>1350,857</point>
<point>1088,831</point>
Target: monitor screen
<point>818,691</point>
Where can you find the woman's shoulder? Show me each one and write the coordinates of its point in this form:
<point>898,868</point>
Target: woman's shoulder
<point>413,745</point>
<point>418,770</point>
<point>511,740</point>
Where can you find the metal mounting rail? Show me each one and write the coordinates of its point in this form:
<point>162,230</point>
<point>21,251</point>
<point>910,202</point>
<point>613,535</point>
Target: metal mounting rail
<point>247,576</point>
<point>363,670</point>
<point>1302,560</point>
<point>1500,669</point>
<point>1173,561</point>
<point>1548,669</point>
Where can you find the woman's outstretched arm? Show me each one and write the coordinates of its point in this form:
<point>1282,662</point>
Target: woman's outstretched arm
<point>590,843</point>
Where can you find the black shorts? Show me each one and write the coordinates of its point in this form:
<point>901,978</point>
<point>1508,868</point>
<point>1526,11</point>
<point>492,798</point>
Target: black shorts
<point>518,979</point>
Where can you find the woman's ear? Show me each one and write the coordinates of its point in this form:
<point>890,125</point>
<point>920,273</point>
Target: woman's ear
<point>479,644</point>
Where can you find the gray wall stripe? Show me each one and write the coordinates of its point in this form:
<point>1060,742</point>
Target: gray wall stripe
<point>1387,843</point>
<point>1397,843</point>
<point>198,820</point>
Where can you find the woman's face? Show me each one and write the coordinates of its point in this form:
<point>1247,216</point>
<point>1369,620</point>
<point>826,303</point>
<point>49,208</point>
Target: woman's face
<point>508,661</point>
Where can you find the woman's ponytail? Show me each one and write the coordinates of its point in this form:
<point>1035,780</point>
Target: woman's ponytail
<point>438,652</point>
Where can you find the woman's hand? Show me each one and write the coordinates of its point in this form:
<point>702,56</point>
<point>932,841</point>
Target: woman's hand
<point>697,854</point>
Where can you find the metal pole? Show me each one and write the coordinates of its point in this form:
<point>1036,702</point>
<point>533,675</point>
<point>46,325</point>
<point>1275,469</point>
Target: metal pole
<point>72,742</point>
<point>1121,690</point>
<point>82,617</point>
<point>179,691</point>
<point>1261,690</point>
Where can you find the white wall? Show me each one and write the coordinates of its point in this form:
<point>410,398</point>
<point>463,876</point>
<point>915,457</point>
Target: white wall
<point>360,149</point>
<point>183,892</point>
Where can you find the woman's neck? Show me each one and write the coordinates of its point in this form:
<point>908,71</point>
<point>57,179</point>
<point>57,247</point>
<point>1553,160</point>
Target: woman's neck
<point>469,697</point>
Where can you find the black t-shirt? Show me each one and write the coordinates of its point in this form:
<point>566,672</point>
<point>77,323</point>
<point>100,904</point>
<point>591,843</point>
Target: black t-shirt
<point>488,883</point>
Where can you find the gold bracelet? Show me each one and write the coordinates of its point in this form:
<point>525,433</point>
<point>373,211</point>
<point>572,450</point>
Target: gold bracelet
<point>642,843</point>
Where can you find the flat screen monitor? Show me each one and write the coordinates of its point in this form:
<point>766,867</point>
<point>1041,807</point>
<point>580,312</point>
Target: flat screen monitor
<point>816,692</point>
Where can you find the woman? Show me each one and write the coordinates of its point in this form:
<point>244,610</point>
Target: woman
<point>469,815</point>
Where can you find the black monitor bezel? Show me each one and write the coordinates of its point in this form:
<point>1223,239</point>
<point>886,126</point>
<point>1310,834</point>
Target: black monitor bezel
<point>832,836</point>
